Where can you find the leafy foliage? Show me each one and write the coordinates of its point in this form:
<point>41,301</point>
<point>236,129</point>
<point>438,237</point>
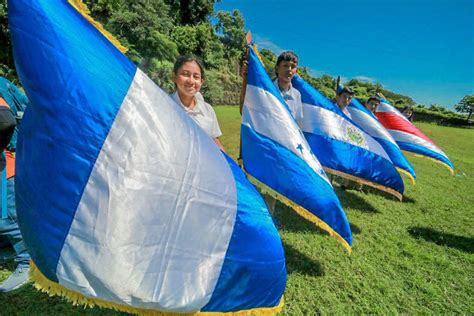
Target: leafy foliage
<point>466,105</point>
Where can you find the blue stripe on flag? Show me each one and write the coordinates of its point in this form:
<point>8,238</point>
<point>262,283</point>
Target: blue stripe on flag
<point>417,149</point>
<point>75,93</point>
<point>246,268</point>
<point>396,156</point>
<point>267,160</point>
<point>354,160</point>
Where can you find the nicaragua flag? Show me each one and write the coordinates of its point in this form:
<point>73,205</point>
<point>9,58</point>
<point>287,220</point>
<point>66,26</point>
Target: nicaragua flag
<point>341,146</point>
<point>123,201</point>
<point>369,124</point>
<point>277,157</point>
<point>408,136</point>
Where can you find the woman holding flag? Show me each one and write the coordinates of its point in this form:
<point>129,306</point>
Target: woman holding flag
<point>188,76</point>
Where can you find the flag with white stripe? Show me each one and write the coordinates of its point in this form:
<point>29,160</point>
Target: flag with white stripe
<point>341,146</point>
<point>408,136</point>
<point>276,154</point>
<point>123,201</point>
<point>369,123</point>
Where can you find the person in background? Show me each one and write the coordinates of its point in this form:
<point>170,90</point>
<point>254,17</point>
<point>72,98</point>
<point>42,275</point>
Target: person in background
<point>408,113</point>
<point>372,103</point>
<point>12,105</point>
<point>343,99</point>
<point>188,76</point>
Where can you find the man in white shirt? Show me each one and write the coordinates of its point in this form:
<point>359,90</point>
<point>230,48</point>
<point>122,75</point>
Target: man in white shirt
<point>343,99</point>
<point>285,68</point>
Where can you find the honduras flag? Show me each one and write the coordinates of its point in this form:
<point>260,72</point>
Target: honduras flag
<point>122,200</point>
<point>408,136</point>
<point>342,147</point>
<point>276,156</point>
<point>369,124</point>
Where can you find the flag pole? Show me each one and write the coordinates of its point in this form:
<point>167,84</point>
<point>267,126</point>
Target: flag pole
<point>244,72</point>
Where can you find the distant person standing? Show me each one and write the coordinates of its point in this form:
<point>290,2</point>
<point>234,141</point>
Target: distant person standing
<point>408,113</point>
<point>12,105</point>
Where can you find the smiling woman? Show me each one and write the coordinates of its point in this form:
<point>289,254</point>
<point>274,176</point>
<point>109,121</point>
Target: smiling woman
<point>188,77</point>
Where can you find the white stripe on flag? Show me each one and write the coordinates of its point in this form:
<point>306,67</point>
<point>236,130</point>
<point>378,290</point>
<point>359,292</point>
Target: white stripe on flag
<point>370,125</point>
<point>387,108</point>
<point>264,113</point>
<point>320,121</point>
<point>158,211</point>
<point>400,136</point>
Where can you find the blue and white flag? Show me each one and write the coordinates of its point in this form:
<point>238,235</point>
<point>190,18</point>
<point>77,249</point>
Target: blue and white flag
<point>123,201</point>
<point>276,154</point>
<point>371,125</point>
<point>341,146</point>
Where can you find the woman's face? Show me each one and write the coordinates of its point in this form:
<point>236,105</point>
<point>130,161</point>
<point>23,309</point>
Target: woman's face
<point>188,79</point>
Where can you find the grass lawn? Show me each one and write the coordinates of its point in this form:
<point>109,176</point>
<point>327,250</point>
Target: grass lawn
<point>411,257</point>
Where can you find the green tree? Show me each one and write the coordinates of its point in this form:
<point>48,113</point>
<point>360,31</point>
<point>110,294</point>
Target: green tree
<point>191,12</point>
<point>466,105</point>
<point>231,28</point>
<point>7,66</point>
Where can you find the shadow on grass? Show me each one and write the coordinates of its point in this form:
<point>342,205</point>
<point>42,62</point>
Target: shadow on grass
<point>289,220</point>
<point>462,243</point>
<point>407,199</point>
<point>352,200</point>
<point>301,263</point>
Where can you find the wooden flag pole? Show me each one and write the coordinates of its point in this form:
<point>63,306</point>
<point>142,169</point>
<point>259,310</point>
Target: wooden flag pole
<point>244,72</point>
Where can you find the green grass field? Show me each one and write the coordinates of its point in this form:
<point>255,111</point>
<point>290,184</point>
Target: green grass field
<point>411,257</point>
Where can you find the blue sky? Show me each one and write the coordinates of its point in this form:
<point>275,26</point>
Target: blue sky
<point>421,48</point>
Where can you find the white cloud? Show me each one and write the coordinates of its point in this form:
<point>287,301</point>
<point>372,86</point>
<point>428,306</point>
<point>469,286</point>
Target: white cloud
<point>263,42</point>
<point>366,79</point>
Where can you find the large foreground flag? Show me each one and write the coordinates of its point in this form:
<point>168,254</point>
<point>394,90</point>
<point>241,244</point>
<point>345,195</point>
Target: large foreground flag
<point>369,123</point>
<point>122,200</point>
<point>408,136</point>
<point>276,154</point>
<point>341,146</point>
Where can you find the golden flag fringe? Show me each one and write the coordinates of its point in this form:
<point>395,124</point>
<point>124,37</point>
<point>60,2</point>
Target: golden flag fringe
<point>406,173</point>
<point>85,12</point>
<point>451,170</point>
<point>300,210</point>
<point>398,195</point>
<point>45,285</point>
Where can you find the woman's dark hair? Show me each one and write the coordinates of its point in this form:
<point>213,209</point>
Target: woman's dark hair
<point>181,60</point>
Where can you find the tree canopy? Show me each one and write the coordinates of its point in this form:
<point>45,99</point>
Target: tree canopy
<point>157,31</point>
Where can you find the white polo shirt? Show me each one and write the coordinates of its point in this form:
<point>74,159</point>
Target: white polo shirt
<point>203,114</point>
<point>292,97</point>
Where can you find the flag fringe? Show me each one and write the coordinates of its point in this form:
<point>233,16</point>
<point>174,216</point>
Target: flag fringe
<point>45,285</point>
<point>85,12</point>
<point>412,179</point>
<point>451,170</point>
<point>391,191</point>
<point>300,210</point>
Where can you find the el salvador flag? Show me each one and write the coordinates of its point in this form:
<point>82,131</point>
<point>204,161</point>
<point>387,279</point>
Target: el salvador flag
<point>341,146</point>
<point>408,136</point>
<point>276,155</point>
<point>123,201</point>
<point>369,123</point>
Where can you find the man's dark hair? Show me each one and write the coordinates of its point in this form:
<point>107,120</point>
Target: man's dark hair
<point>287,56</point>
<point>181,60</point>
<point>375,98</point>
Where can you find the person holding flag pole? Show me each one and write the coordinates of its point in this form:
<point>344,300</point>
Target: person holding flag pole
<point>277,158</point>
